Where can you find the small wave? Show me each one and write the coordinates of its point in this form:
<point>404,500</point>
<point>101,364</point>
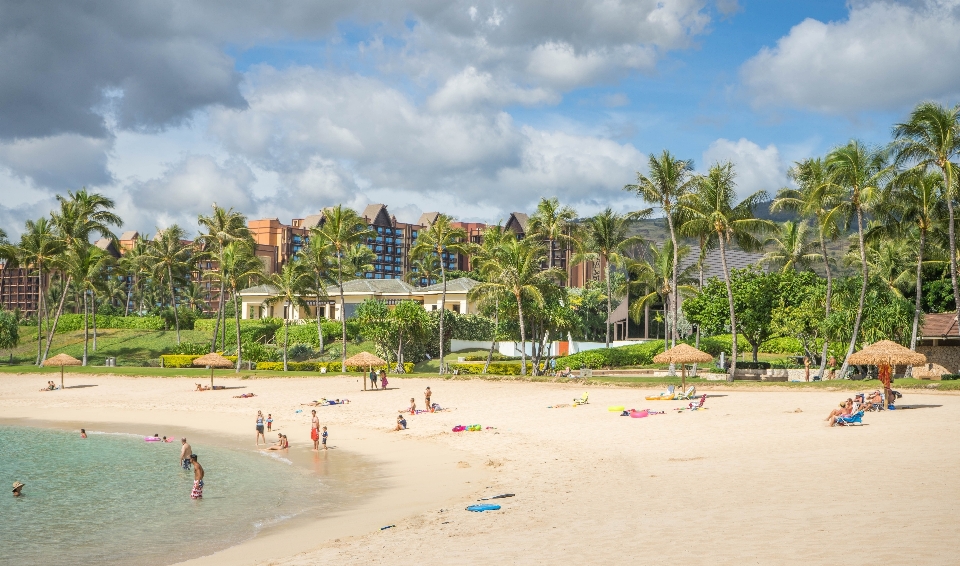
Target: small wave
<point>265,523</point>
<point>116,434</point>
<point>277,457</point>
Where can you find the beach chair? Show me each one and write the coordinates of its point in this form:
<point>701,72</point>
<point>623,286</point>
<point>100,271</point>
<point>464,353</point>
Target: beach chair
<point>582,400</point>
<point>689,393</point>
<point>855,419</point>
<point>694,406</point>
<point>669,395</point>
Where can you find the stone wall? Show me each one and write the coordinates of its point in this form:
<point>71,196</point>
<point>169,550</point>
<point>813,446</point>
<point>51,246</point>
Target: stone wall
<point>946,356</point>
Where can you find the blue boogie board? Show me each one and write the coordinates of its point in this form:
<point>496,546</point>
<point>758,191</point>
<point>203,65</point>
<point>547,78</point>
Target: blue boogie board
<point>484,507</point>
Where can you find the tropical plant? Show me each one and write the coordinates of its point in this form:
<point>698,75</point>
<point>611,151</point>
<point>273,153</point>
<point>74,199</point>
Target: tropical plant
<point>169,260</point>
<point>84,265</point>
<point>218,230</point>
<point>288,285</point>
<point>40,247</point>
<point>789,248</point>
<point>240,267</point>
<point>555,225</point>
<point>316,257</point>
<point>485,260</point>
<point>411,324</point>
<point>655,278</point>
<point>444,241</point>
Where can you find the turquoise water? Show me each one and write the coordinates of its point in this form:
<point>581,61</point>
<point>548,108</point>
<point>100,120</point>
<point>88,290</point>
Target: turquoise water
<point>115,499</point>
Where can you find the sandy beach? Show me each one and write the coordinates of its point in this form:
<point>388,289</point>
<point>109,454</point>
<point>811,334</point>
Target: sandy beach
<point>756,478</point>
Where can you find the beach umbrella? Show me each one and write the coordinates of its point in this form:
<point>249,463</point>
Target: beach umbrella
<point>364,359</point>
<point>885,354</point>
<point>682,354</point>
<point>61,360</point>
<point>213,360</point>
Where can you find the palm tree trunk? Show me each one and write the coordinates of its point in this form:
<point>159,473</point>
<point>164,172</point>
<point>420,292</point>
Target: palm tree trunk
<point>443,303</point>
<point>86,338</point>
<point>216,325</point>
<point>236,312</point>
<point>696,344</point>
<point>493,339</point>
<point>173,299</point>
<point>523,338</point>
<point>609,303</point>
<point>56,320</point>
<point>863,293</point>
<point>916,302</point>
<point>93,308</point>
<point>673,282</point>
<point>41,312</point>
<point>285,330</point>
<point>126,306</point>
<point>733,314</point>
<point>827,306</point>
<point>343,315</point>
<point>951,231</point>
<point>319,324</point>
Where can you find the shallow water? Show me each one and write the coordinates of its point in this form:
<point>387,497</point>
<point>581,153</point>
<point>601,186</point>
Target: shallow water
<point>115,499</point>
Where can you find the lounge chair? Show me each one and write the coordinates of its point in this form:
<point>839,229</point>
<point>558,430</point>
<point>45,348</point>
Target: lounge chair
<point>856,419</point>
<point>689,393</point>
<point>669,395</point>
<point>582,400</point>
<point>694,406</point>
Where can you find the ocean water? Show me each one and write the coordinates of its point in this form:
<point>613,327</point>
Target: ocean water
<point>115,499</point>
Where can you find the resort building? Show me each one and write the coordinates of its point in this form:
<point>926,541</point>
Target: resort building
<point>255,301</point>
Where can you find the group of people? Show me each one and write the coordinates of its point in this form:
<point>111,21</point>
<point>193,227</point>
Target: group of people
<point>431,407</point>
<point>850,407</point>
<point>51,386</point>
<point>189,460</point>
<point>383,379</point>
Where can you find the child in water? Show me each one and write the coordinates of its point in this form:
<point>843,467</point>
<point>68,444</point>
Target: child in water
<point>83,433</point>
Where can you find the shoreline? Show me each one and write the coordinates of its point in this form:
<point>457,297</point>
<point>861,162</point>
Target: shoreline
<point>405,471</point>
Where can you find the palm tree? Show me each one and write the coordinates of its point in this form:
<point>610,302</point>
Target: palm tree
<point>712,205</point>
<point>791,249</point>
<point>288,285</point>
<point>317,257</point>
<point>861,172</point>
<point>221,228</point>
<point>84,264</point>
<point>239,268</point>
<point>655,277</point>
<point>39,247</point>
<point>518,273</point>
<point>819,200</point>
<point>169,257</point>
<point>670,178</point>
<point>359,260</point>
<point>444,241</point>
<point>195,296</point>
<point>421,268</point>
<point>930,139</point>
<point>485,259</point>
<point>554,224</point>
<point>133,265</point>
<point>608,239</point>
<point>342,228</point>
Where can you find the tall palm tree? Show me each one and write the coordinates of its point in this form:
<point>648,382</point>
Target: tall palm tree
<point>289,284</point>
<point>554,224</point>
<point>133,265</point>
<point>713,205</point>
<point>861,173</point>
<point>240,268</point>
<point>818,199</point>
<point>518,273</point>
<point>342,228</point>
<point>39,247</point>
<point>218,230</point>
<point>789,248</point>
<point>655,277</point>
<point>421,268</point>
<point>84,265</point>
<point>169,258</point>
<point>485,259</point>
<point>608,239</point>
<point>669,179</point>
<point>317,257</point>
<point>444,241</point>
<point>930,139</point>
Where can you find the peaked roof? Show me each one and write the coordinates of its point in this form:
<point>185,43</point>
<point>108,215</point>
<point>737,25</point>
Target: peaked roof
<point>313,220</point>
<point>459,285</point>
<point>428,218</point>
<point>130,235</point>
<point>377,286</point>
<point>376,214</point>
<point>259,290</point>
<point>940,325</point>
<point>106,244</point>
<point>713,267</point>
<point>518,222</point>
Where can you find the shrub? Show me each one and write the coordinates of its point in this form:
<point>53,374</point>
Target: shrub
<point>783,345</point>
<point>300,352</point>
<point>306,333</point>
<point>188,348</point>
<point>332,367</point>
<point>497,356</point>
<point>632,355</point>
<point>71,322</point>
<point>713,345</point>
<point>184,360</point>
<point>753,365</point>
<point>496,368</point>
<point>257,352</point>
<point>950,376</point>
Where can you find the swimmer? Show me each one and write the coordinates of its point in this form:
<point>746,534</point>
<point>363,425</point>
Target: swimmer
<point>17,486</point>
<point>83,433</point>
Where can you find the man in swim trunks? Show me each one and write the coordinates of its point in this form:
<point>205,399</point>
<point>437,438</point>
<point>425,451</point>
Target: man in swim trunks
<point>426,396</point>
<point>315,431</point>
<point>197,492</point>
<point>185,452</point>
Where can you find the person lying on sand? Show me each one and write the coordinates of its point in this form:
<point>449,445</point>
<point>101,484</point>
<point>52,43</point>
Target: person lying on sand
<point>845,410</point>
<point>244,396</point>
<point>278,445</point>
<point>325,401</point>
<point>401,422</point>
<point>202,387</point>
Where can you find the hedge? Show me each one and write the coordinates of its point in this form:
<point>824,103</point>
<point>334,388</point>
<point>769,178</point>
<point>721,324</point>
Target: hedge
<point>497,356</point>
<point>306,333</point>
<point>71,322</point>
<point>632,355</point>
<point>783,345</point>
<point>950,376</point>
<point>255,330</point>
<point>332,367</point>
<point>753,365</point>
<point>184,361</point>
<point>496,368</point>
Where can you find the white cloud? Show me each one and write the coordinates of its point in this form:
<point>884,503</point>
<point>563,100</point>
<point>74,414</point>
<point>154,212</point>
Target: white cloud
<point>472,88</point>
<point>885,55</point>
<point>61,163</point>
<point>758,168</point>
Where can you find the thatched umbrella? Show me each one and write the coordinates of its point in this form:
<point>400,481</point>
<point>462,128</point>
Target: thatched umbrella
<point>363,359</point>
<point>213,360</point>
<point>61,360</point>
<point>885,354</point>
<point>683,354</point>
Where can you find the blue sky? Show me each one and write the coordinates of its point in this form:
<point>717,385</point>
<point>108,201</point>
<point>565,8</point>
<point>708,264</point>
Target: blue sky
<point>472,107</point>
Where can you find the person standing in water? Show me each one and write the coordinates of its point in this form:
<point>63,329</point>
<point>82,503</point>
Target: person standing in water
<point>260,428</point>
<point>197,492</point>
<point>315,431</point>
<point>83,433</point>
<point>185,452</point>
<point>17,486</point>
<point>324,435</point>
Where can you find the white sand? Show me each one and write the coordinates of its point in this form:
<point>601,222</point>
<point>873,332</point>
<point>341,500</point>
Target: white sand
<point>746,481</point>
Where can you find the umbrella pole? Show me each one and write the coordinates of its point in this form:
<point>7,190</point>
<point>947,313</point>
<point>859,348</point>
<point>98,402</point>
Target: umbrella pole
<point>61,378</point>
<point>211,378</point>
<point>364,379</point>
<point>683,377</point>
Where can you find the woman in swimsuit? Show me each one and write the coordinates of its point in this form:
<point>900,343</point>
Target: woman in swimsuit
<point>845,410</point>
<point>280,443</point>
<point>260,428</point>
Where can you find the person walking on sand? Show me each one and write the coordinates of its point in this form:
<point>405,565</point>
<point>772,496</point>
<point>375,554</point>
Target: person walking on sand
<point>185,452</point>
<point>315,431</point>
<point>197,492</point>
<point>373,379</point>
<point>260,428</point>
<point>426,398</point>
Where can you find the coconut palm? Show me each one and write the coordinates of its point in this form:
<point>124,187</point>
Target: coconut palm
<point>133,265</point>
<point>555,225</point>
<point>485,259</point>
<point>669,179</point>
<point>444,241</point>
<point>168,258</point>
<point>655,277</point>
<point>819,200</point>
<point>84,265</point>
<point>421,268</point>
<point>343,229</point>
<point>359,260</point>
<point>39,247</point>
<point>218,230</point>
<point>713,205</point>
<point>240,268</point>
<point>608,239</point>
<point>317,258</point>
<point>518,273</point>
<point>288,284</point>
<point>861,172</point>
<point>790,247</point>
<point>930,140</point>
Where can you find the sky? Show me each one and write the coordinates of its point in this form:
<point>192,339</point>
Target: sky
<point>475,108</point>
